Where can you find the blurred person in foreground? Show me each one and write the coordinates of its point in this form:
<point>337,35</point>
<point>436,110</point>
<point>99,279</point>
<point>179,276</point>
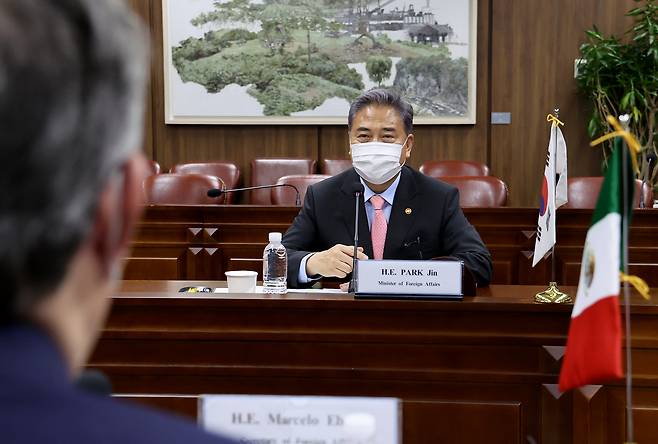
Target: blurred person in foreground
<point>72,77</point>
<point>403,213</point>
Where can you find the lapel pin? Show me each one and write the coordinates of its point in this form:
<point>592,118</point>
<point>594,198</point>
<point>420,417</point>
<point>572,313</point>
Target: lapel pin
<point>407,211</point>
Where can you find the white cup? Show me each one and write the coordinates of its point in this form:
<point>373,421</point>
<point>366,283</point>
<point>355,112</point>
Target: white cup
<point>241,281</point>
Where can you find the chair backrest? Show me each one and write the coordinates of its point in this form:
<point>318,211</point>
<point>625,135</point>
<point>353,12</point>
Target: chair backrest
<point>227,171</point>
<point>443,168</point>
<point>181,189</point>
<point>334,166</point>
<point>268,171</point>
<point>583,192</point>
<point>154,167</point>
<point>479,191</point>
<point>286,195</point>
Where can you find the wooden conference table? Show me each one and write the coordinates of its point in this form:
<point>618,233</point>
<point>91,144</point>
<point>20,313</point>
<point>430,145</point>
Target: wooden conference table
<point>483,370</point>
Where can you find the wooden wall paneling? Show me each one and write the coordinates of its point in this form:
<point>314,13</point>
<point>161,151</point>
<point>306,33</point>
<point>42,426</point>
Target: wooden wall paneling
<point>184,405</point>
<point>492,358</point>
<point>645,417</point>
<point>143,8</point>
<point>423,422</point>
<point>556,415</point>
<point>203,262</point>
<point>251,264</point>
<point>526,273</point>
<point>573,19</point>
<point>333,142</point>
<point>168,232</point>
<point>431,422</point>
<point>241,232</point>
<point>642,262</point>
<point>158,261</point>
<point>645,410</point>
<point>187,143</point>
<point>486,356</point>
<point>159,268</point>
<point>522,34</point>
<point>503,266</point>
<point>176,262</point>
<point>512,407</point>
<point>250,252</point>
<point>644,334</point>
<point>534,45</point>
<point>578,416</point>
<point>590,415</point>
<point>550,360</point>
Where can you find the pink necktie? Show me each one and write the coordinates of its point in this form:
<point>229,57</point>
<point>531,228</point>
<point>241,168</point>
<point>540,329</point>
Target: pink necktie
<point>378,229</point>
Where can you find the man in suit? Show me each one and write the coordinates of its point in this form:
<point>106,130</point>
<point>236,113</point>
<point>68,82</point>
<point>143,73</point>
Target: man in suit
<point>403,214</point>
<point>72,78</point>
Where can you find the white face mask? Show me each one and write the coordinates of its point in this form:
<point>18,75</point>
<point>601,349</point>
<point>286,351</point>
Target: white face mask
<point>377,162</point>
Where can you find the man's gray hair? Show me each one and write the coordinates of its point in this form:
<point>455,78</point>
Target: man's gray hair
<point>386,97</point>
<point>72,77</point>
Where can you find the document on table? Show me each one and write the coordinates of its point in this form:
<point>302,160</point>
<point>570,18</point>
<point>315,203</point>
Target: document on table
<point>259,289</point>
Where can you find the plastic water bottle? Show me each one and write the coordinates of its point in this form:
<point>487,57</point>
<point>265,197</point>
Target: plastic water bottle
<point>275,266</point>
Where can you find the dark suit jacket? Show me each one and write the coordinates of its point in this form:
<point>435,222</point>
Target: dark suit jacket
<point>435,227</point>
<point>39,404</point>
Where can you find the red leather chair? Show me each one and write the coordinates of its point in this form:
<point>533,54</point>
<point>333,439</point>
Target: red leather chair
<point>154,167</point>
<point>583,192</point>
<point>227,171</point>
<point>442,168</point>
<point>286,195</point>
<point>268,171</point>
<point>479,191</point>
<point>334,166</point>
<point>181,189</point>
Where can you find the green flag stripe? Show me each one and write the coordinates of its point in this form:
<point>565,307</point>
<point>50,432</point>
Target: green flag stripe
<point>610,196</point>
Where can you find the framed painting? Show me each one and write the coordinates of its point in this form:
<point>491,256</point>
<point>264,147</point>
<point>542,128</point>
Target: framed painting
<point>304,61</point>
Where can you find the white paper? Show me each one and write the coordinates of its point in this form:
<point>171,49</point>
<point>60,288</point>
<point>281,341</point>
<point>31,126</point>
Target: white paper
<point>302,419</point>
<point>259,289</point>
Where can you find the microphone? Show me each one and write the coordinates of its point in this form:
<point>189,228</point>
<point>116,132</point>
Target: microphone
<point>357,189</point>
<point>94,381</point>
<point>216,192</point>
<point>415,242</point>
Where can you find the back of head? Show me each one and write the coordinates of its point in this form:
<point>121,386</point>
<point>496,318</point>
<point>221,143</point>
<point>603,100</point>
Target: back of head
<point>72,76</point>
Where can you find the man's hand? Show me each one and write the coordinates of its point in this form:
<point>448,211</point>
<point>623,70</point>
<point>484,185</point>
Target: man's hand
<point>334,262</point>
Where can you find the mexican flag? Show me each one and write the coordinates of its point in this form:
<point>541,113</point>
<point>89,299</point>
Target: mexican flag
<point>593,352</point>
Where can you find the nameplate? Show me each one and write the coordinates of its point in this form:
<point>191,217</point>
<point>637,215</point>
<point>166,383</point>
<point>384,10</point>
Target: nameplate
<point>251,419</point>
<point>423,279</point>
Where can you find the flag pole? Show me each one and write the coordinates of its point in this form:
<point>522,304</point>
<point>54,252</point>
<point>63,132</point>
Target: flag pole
<point>627,299</point>
<point>556,112</point>
<point>553,295</point>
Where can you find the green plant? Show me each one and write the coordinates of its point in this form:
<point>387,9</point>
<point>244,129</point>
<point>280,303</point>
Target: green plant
<point>620,76</point>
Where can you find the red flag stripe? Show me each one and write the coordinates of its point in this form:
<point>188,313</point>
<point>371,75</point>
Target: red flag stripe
<point>593,353</point>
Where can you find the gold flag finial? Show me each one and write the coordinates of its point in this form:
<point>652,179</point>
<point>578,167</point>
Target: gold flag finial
<point>631,141</point>
<point>554,120</point>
